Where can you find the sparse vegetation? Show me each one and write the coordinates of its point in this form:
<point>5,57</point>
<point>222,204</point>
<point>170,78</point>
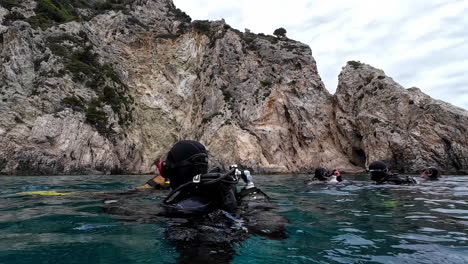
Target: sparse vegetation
<point>9,4</point>
<point>265,83</point>
<point>280,32</point>
<point>134,21</point>
<point>201,26</point>
<point>56,44</point>
<point>204,27</point>
<point>270,38</point>
<point>96,117</point>
<point>375,121</point>
<point>355,64</point>
<point>11,17</point>
<point>112,4</point>
<point>49,12</point>
<point>82,63</point>
<point>369,78</point>
<point>73,102</point>
<point>181,15</point>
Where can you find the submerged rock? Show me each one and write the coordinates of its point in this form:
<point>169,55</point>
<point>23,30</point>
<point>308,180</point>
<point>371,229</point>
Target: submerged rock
<point>107,88</point>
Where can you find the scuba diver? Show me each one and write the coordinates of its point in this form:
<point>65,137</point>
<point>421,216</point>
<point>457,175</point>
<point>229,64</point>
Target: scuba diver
<point>431,174</point>
<point>194,190</point>
<point>380,174</point>
<point>206,214</point>
<point>336,173</point>
<point>322,175</point>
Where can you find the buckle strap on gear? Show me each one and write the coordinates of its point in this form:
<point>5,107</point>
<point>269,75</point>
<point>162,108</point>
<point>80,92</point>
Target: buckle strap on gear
<point>197,178</point>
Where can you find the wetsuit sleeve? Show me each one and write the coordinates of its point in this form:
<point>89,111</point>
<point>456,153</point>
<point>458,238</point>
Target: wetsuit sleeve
<point>151,184</point>
<point>156,186</point>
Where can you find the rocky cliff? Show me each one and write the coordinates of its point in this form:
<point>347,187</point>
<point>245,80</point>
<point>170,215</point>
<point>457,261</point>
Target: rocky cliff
<point>109,86</point>
<point>377,119</point>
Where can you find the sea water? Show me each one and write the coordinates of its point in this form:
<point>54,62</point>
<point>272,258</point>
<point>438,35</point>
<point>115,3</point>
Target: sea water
<point>355,221</point>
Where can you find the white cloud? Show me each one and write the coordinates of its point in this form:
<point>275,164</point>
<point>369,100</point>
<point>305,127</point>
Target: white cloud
<point>422,43</point>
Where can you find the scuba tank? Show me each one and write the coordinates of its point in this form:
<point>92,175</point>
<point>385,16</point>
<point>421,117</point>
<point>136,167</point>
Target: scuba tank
<point>211,191</point>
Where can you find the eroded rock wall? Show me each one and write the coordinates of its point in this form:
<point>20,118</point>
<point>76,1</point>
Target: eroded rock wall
<point>109,86</point>
<point>112,92</point>
<point>377,119</point>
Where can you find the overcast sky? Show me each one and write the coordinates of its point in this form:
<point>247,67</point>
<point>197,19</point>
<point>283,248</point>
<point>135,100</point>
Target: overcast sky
<point>422,43</point>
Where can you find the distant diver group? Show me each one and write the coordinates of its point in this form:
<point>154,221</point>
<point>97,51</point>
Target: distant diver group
<point>379,173</point>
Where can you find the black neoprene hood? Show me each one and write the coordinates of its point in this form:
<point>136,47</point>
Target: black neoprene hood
<point>183,150</point>
<point>377,165</point>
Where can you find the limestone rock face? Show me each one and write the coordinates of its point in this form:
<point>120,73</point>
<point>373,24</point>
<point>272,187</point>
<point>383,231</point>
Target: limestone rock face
<point>112,92</point>
<point>98,87</point>
<point>377,119</point>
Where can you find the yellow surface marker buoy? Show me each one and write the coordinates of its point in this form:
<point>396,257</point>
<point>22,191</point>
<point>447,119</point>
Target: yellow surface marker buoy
<point>48,193</point>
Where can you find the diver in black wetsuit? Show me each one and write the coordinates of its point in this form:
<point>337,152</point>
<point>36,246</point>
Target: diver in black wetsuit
<point>431,174</point>
<point>322,175</point>
<point>380,174</point>
<point>206,212</point>
<point>194,190</point>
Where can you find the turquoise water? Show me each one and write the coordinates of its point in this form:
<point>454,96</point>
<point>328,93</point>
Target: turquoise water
<point>351,222</point>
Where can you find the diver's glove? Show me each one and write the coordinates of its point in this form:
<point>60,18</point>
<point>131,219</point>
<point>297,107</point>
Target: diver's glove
<point>249,191</point>
<point>244,175</point>
<point>248,179</point>
<point>158,183</point>
<point>153,184</point>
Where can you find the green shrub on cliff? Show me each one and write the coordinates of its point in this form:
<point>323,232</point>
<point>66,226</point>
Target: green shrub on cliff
<point>84,67</point>
<point>265,83</point>
<point>82,64</point>
<point>355,64</point>
<point>201,26</point>
<point>181,15</point>
<point>280,32</point>
<point>60,45</point>
<point>11,17</point>
<point>112,4</point>
<point>49,12</point>
<point>73,102</point>
<point>375,121</point>
<point>96,117</point>
<point>112,98</point>
<point>9,4</point>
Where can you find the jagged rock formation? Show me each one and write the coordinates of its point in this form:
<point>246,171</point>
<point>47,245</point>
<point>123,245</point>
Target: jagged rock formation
<point>377,119</point>
<point>109,86</point>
